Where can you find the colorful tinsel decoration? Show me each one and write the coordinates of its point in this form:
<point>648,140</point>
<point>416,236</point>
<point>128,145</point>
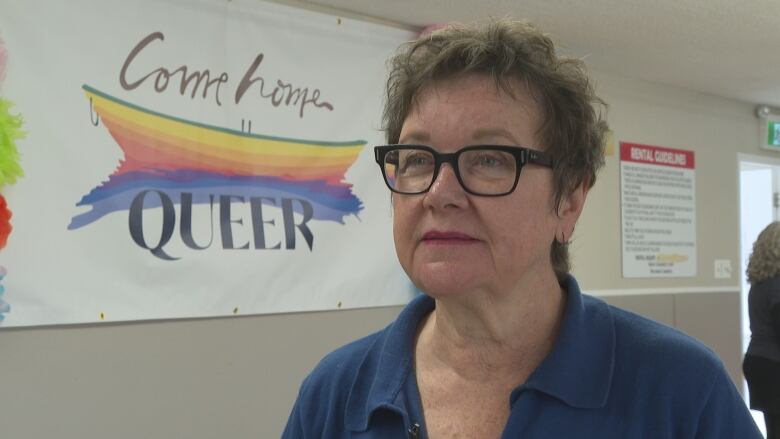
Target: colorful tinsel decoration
<point>5,222</point>
<point>10,132</point>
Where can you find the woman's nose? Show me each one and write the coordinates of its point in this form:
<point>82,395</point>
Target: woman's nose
<point>446,190</point>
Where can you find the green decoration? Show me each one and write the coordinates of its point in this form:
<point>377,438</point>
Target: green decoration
<point>10,132</point>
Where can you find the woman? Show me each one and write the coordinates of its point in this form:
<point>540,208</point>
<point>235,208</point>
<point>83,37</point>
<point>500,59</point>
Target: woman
<point>503,344</point>
<point>762,360</point>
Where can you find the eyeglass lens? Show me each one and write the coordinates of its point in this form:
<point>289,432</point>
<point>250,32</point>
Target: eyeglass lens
<point>483,171</point>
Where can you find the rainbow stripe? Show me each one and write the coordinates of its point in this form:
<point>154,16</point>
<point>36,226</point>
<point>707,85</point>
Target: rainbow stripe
<point>175,155</point>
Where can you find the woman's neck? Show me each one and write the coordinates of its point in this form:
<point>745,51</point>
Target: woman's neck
<point>492,337</point>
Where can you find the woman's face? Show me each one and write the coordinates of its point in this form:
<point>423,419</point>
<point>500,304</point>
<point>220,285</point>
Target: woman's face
<point>450,242</point>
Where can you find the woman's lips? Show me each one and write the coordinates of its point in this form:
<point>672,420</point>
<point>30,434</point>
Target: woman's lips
<point>447,238</point>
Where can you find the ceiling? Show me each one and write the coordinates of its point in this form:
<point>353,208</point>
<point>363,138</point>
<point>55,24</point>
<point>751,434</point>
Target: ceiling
<point>728,48</point>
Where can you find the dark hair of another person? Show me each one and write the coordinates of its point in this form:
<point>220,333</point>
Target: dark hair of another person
<point>511,52</point>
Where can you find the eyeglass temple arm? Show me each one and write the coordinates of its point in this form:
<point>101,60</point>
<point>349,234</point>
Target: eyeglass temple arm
<point>539,158</point>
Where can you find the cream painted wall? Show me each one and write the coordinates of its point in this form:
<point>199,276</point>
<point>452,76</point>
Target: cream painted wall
<point>717,130</point>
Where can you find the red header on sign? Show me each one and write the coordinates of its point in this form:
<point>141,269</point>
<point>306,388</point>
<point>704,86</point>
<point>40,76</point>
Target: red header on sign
<point>656,155</point>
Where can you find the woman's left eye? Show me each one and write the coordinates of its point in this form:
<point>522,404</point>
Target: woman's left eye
<point>488,161</point>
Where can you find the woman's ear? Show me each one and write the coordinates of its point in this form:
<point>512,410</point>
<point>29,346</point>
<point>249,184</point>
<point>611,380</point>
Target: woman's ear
<point>570,208</point>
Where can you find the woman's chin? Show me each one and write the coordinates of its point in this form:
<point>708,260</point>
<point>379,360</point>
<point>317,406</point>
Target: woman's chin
<point>443,279</point>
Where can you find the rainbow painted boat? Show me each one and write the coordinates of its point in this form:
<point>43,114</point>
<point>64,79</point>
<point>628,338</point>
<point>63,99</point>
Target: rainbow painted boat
<point>169,153</point>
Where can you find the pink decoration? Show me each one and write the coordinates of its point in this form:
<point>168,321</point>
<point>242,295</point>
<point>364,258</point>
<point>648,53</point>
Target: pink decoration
<point>3,58</point>
<point>5,222</point>
<point>431,28</point>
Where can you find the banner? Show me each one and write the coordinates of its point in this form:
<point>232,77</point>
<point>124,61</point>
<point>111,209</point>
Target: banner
<point>195,158</point>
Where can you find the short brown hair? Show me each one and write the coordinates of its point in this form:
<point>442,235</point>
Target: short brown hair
<point>572,130</point>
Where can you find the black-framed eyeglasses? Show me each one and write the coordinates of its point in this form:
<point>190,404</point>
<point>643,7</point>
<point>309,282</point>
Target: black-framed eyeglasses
<point>487,170</point>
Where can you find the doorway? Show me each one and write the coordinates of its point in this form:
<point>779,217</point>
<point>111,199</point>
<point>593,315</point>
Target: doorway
<point>758,186</point>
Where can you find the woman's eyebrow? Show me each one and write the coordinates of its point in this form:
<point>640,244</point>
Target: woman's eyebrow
<point>415,137</point>
<point>483,133</point>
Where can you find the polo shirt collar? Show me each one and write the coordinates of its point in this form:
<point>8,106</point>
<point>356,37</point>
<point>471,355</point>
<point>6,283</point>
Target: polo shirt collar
<point>386,366</point>
<point>578,371</point>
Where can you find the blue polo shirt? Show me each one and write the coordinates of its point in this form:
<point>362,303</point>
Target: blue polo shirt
<point>611,374</point>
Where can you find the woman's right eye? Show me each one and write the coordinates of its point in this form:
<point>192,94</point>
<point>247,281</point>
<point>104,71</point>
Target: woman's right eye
<point>417,160</point>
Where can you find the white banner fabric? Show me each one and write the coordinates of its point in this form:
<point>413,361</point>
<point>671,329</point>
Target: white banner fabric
<point>195,158</point>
